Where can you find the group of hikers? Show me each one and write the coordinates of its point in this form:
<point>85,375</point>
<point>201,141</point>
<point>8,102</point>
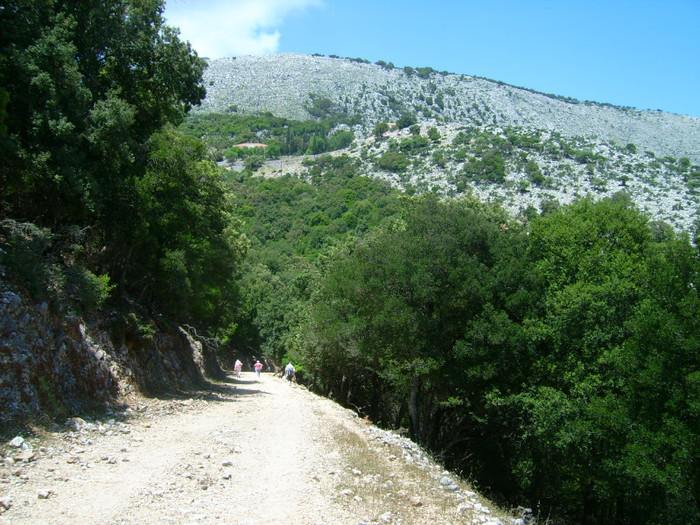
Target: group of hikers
<point>289,370</point>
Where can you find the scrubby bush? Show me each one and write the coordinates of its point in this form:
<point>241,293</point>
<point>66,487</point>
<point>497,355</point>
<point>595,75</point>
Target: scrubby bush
<point>393,161</point>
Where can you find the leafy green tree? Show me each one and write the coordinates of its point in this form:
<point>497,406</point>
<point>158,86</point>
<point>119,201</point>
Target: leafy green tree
<point>88,82</point>
<point>406,120</point>
<point>188,250</point>
<point>597,442</point>
<point>490,167</point>
<point>414,144</point>
<point>340,140</point>
<point>392,307</point>
<point>393,161</point>
<point>316,146</point>
<point>421,322</point>
<point>439,158</point>
<point>253,162</point>
<point>534,173</point>
<point>380,129</point>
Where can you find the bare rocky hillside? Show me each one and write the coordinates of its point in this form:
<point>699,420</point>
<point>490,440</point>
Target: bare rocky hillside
<point>285,84</point>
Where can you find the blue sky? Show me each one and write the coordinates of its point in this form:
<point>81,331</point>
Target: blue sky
<point>639,53</point>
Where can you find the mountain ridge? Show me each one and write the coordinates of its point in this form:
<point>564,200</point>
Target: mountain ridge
<point>286,84</point>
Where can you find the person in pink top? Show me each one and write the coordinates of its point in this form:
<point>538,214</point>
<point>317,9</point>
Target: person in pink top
<point>258,367</point>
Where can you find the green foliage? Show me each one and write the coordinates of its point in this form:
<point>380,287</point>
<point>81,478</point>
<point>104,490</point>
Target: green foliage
<point>393,161</point>
<point>253,162</point>
<point>121,202</point>
<point>380,129</point>
<point>590,427</point>
<point>406,120</point>
<point>414,144</point>
<point>534,173</point>
<point>439,158</point>
<point>282,136</point>
<point>490,167</point>
<point>49,267</point>
<point>340,140</point>
<point>424,72</point>
<point>693,181</point>
<point>77,125</point>
<point>421,322</point>
<point>90,290</point>
<point>292,225</point>
<point>392,306</point>
<point>188,246</point>
<point>242,152</point>
<point>27,254</point>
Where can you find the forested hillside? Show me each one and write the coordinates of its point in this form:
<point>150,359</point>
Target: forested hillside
<point>522,300</point>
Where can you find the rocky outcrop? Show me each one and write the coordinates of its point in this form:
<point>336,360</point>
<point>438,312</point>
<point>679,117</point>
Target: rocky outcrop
<point>58,364</point>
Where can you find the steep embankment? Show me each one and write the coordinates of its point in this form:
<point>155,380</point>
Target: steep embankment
<point>252,451</point>
<point>63,363</point>
<point>285,84</point>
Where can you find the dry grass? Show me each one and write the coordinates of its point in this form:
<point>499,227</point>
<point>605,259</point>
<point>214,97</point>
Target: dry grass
<point>391,476</point>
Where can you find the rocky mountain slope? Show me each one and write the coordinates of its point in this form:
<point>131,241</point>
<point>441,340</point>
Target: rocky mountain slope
<point>285,84</point>
<point>520,148</point>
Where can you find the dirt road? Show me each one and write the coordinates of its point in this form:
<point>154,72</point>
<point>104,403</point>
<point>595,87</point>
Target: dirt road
<point>251,451</point>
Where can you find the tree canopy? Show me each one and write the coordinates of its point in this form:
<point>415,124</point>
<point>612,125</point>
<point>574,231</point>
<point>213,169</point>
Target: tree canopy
<point>555,363</point>
<point>92,90</point>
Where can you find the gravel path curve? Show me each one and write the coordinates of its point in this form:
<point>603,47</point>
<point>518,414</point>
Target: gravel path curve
<point>250,451</point>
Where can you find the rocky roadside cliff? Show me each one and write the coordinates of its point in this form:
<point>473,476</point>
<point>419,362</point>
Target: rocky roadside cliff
<point>65,364</point>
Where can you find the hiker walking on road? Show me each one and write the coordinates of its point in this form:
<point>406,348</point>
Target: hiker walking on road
<point>237,368</point>
<point>289,372</point>
<point>258,367</point>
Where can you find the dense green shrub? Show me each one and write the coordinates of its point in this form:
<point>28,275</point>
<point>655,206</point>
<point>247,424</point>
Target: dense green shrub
<point>393,161</point>
<point>50,266</point>
<point>282,136</point>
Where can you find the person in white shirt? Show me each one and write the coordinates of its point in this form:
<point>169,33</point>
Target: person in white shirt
<point>289,372</point>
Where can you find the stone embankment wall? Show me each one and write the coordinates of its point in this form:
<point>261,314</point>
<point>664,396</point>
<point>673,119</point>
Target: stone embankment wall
<point>59,364</point>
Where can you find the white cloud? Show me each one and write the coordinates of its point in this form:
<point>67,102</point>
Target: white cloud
<point>219,28</point>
